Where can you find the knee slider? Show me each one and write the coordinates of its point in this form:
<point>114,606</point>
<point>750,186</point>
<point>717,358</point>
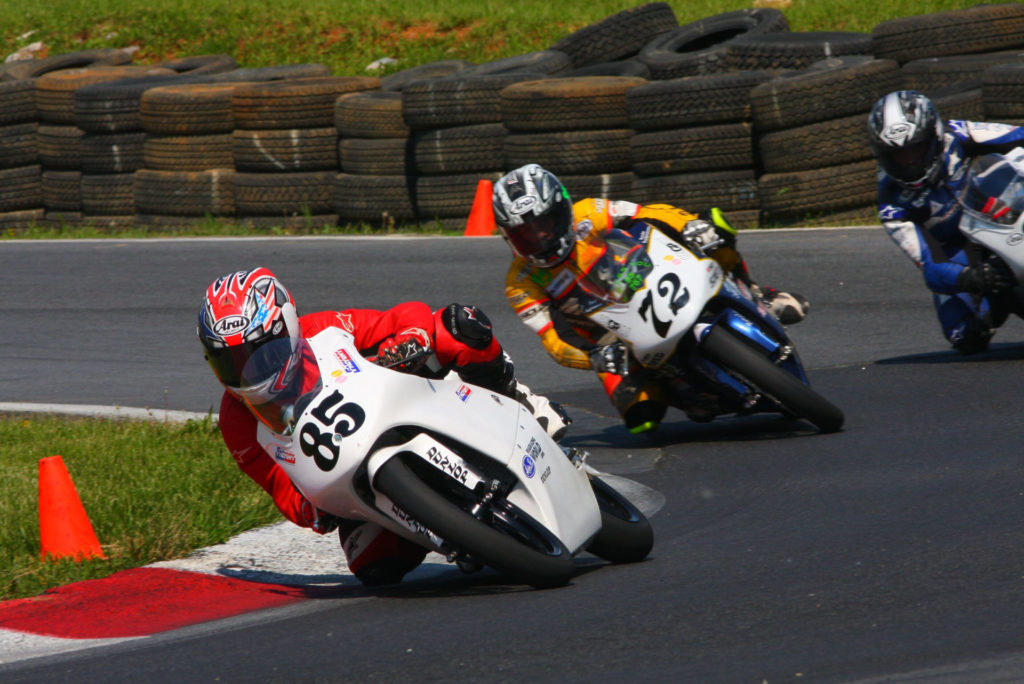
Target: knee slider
<point>468,325</point>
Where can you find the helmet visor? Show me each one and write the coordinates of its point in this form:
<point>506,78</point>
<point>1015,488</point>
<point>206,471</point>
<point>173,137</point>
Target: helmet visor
<point>228,362</point>
<point>911,163</point>
<point>543,239</point>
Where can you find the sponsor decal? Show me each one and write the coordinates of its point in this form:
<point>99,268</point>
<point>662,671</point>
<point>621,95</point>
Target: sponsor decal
<point>442,461</point>
<point>529,466</point>
<point>523,204</point>
<point>281,454</point>
<point>547,473</point>
<point>533,449</point>
<point>889,212</point>
<point>345,359</point>
<point>562,282</point>
<point>463,392</point>
<point>541,276</point>
<point>583,228</point>
<point>345,321</point>
<point>897,133</point>
<point>409,521</point>
<point>229,325</point>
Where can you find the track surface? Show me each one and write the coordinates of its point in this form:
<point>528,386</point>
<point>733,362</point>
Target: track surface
<point>894,548</point>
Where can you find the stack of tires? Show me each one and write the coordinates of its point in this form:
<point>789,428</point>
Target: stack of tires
<point>285,149</point>
<point>811,131</point>
<point>69,192</point>
<point>577,127</point>
<point>21,198</point>
<point>376,155</point>
<point>188,162</point>
<point>1003,93</point>
<point>692,146</point>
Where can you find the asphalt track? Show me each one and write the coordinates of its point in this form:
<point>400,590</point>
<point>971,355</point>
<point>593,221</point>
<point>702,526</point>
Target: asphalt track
<point>891,551</point>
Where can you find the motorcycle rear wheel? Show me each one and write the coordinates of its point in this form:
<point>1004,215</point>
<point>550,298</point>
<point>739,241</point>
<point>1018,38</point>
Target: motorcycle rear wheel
<point>724,347</point>
<point>512,542</point>
<point>626,535</point>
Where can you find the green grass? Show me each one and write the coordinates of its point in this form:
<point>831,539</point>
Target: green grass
<point>347,35</point>
<point>153,491</point>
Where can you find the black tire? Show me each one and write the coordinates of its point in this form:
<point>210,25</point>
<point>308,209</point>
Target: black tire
<point>566,104</point>
<point>547,62</point>
<point>626,535</point>
<point>722,346</point>
<point>828,89</point>
<point>793,50</point>
<point>540,561</point>
<point>982,28</point>
<point>571,152</point>
<point>19,145</point>
<point>34,68</point>
<point>274,150</point>
<point>17,102</point>
<point>370,114</point>
<point>618,36</point>
<point>700,47</point>
<point>692,149</point>
<point>825,143</point>
<point>728,190</point>
<point>398,80</point>
<point>934,73</point>
<point>298,103</point>
<point>458,100</point>
<point>680,102</point>
<point>796,194</point>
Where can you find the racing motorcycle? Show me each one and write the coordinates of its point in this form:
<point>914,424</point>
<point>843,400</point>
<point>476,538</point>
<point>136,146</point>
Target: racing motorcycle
<point>451,466</point>
<point>707,344</point>
<point>992,199</point>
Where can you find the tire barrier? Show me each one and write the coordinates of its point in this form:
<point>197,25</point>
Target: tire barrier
<point>734,110</point>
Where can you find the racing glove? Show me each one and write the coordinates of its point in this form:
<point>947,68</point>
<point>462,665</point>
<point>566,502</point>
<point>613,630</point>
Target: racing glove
<point>988,277</point>
<point>406,352</point>
<point>610,358</point>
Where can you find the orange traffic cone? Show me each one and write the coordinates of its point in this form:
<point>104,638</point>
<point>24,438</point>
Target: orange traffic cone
<point>481,216</point>
<point>64,528</point>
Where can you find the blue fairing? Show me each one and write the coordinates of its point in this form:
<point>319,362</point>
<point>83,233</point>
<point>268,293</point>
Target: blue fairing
<point>743,316</point>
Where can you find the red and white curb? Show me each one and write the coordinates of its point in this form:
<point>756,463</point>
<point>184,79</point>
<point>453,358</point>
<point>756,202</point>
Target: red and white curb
<point>263,568</point>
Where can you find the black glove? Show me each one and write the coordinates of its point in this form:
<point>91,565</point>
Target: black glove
<point>325,522</point>
<point>610,358</point>
<point>988,277</point>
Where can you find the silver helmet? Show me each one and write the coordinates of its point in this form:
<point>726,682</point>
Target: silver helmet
<point>905,134</point>
<point>534,214</point>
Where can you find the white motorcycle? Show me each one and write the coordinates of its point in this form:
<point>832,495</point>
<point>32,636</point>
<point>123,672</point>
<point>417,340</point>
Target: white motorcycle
<point>451,466</point>
<point>993,209</point>
<point>701,337</point>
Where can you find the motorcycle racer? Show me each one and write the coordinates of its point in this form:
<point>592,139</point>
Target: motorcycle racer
<point>242,312</point>
<point>552,242</point>
<point>923,164</point>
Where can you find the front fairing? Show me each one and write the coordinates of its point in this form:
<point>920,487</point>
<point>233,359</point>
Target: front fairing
<point>656,296</point>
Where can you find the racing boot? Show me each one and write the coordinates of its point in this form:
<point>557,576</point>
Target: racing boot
<point>551,416</point>
<point>787,307</point>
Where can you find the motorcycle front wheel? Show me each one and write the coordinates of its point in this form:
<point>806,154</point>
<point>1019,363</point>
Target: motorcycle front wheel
<point>626,535</point>
<point>724,347</point>
<point>510,541</point>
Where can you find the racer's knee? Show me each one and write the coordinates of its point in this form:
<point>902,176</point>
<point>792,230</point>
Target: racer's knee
<point>971,336</point>
<point>377,556</point>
